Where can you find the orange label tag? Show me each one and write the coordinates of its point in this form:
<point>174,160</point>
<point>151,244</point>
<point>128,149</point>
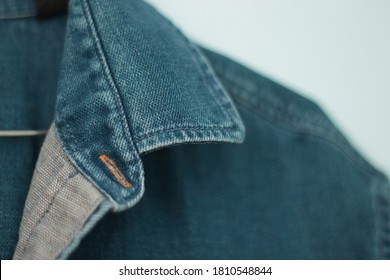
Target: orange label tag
<point>110,164</point>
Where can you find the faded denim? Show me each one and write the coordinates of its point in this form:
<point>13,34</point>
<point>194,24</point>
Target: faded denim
<point>268,177</point>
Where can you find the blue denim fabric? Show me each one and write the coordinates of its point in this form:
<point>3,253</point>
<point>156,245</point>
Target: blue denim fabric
<point>295,189</point>
<point>129,85</point>
<point>30,56</point>
<point>126,114</point>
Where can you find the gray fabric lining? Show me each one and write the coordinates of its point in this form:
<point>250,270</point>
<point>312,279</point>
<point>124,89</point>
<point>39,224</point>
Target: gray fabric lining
<point>59,203</point>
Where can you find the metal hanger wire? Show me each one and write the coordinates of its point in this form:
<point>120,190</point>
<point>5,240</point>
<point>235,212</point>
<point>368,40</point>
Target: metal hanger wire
<point>22,133</point>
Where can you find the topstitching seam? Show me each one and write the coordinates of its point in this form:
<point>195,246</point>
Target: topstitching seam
<point>108,72</point>
<point>43,215</point>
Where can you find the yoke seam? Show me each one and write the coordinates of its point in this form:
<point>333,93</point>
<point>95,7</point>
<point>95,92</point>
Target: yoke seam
<point>313,131</point>
<point>329,134</point>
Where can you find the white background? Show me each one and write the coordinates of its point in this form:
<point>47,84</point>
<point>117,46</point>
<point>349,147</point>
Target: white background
<point>336,52</point>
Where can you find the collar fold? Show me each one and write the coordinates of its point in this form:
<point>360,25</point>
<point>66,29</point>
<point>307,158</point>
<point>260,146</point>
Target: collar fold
<point>131,83</point>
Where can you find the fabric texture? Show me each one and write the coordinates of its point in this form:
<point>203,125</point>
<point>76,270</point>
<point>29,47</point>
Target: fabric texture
<point>59,202</point>
<point>295,189</point>
<point>30,57</point>
<point>104,107</point>
<point>267,174</point>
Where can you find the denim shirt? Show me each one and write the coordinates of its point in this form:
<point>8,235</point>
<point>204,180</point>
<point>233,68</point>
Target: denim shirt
<point>122,89</point>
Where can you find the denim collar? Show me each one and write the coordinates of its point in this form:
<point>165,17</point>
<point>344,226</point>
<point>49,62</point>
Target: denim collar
<point>131,83</point>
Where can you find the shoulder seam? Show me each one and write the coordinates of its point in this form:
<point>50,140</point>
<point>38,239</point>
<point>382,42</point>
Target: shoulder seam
<point>289,121</point>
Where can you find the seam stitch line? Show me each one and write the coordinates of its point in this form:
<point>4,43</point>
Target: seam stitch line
<point>184,128</point>
<point>189,129</point>
<point>280,112</point>
<point>85,217</point>
<point>260,100</point>
<point>71,148</point>
<point>118,103</point>
<point>43,215</point>
<point>310,132</point>
<point>303,124</point>
<point>196,57</point>
<point>71,139</point>
<point>75,162</point>
<point>108,72</point>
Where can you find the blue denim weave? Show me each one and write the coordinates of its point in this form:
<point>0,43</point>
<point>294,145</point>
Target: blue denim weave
<point>269,176</point>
